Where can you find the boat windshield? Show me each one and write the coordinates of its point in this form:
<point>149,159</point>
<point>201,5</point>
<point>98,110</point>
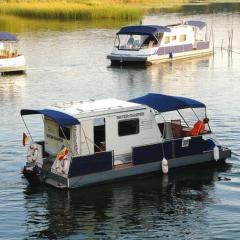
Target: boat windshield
<point>8,49</point>
<point>135,42</point>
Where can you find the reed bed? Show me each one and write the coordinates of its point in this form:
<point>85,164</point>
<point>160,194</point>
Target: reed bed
<point>124,10</point>
<point>76,10</point>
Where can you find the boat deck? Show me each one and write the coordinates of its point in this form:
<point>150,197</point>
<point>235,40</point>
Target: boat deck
<point>123,165</point>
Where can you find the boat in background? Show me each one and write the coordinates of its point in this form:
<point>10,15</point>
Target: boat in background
<point>11,60</point>
<point>95,141</point>
<point>149,44</point>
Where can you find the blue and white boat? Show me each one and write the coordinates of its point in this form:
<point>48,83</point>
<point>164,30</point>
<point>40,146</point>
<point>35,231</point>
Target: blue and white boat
<point>95,141</point>
<point>11,60</point>
<point>151,44</point>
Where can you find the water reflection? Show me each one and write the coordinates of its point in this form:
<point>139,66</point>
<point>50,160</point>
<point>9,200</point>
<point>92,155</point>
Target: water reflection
<point>11,87</point>
<point>160,77</point>
<point>199,8</point>
<point>151,206</point>
<point>23,25</point>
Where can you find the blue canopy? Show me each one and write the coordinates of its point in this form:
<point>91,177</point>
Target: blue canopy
<point>60,118</point>
<point>144,29</point>
<point>165,103</point>
<point>4,36</point>
<point>198,24</point>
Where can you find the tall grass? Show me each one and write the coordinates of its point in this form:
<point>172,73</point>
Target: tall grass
<point>82,10</point>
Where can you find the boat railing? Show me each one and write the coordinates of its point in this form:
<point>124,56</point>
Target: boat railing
<point>170,149</point>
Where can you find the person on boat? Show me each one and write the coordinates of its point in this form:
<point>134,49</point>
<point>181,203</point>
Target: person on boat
<point>199,127</point>
<point>130,41</point>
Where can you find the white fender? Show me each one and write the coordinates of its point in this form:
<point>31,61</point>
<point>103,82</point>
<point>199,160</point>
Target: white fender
<point>164,165</point>
<point>216,153</point>
<point>32,153</point>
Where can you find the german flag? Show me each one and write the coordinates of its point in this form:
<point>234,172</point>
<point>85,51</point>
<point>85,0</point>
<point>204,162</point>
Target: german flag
<point>25,140</point>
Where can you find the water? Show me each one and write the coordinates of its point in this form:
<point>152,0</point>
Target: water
<point>67,61</point>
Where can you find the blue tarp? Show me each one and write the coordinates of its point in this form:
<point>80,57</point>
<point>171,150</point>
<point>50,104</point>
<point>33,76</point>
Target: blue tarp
<point>165,103</point>
<point>61,118</point>
<point>144,29</point>
<point>4,36</point>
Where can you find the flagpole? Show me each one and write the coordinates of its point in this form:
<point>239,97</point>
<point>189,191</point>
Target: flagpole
<point>27,128</point>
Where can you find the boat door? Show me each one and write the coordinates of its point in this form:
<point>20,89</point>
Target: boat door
<point>99,135</point>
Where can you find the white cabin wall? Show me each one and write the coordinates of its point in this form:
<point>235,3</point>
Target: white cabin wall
<point>53,142</point>
<point>177,31</point>
<point>86,137</point>
<point>148,132</point>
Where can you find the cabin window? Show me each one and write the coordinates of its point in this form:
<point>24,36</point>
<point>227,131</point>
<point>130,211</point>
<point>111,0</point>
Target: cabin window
<point>166,40</point>
<point>64,132</point>
<point>174,38</point>
<point>128,127</point>
<point>183,37</point>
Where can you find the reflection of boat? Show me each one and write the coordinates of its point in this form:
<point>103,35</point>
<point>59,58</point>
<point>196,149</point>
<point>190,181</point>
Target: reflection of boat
<point>10,58</point>
<point>150,44</point>
<point>183,197</point>
<point>97,141</point>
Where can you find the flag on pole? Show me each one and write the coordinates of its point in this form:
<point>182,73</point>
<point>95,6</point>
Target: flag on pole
<point>25,139</point>
<point>63,153</point>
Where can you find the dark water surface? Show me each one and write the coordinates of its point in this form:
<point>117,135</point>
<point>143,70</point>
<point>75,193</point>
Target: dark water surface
<point>67,61</point>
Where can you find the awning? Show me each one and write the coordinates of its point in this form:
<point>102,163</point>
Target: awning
<point>165,103</point>
<point>4,36</point>
<point>61,118</point>
<point>198,24</point>
<point>144,30</point>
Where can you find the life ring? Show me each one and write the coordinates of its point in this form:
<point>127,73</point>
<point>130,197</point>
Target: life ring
<point>62,166</point>
<point>32,153</point>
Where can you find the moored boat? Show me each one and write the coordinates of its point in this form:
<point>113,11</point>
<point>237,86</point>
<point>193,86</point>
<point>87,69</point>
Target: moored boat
<point>95,141</point>
<point>149,44</point>
<point>11,60</point>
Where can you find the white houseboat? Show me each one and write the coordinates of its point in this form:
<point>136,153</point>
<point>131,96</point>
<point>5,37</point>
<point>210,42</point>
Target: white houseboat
<point>10,58</point>
<point>95,141</point>
<point>150,44</point>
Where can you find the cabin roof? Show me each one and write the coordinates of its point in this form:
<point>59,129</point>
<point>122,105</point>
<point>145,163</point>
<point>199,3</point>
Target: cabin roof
<point>154,29</point>
<point>144,29</point>
<point>4,36</point>
<point>69,113</point>
<point>191,23</point>
<point>97,106</point>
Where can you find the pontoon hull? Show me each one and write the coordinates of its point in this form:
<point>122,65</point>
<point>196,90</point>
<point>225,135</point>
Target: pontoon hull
<point>13,64</point>
<point>154,59</point>
<point>125,171</point>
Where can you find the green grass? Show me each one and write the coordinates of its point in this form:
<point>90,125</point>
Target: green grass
<point>124,10</point>
<point>78,10</point>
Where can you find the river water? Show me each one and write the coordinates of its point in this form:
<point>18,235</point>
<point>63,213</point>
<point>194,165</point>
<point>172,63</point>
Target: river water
<point>67,61</point>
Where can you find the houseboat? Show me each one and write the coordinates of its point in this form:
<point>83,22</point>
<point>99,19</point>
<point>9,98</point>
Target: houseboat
<point>149,44</point>
<point>10,58</point>
<point>95,141</point>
